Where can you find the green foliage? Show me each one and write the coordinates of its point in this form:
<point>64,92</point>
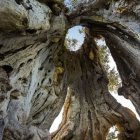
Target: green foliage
<point>73,2</point>
<point>112,134</point>
<point>113,76</point>
<point>114,81</point>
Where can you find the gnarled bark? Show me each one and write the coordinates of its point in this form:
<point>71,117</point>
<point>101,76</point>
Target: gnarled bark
<point>36,70</point>
<point>89,109</point>
<point>33,82</point>
<point>128,68</point>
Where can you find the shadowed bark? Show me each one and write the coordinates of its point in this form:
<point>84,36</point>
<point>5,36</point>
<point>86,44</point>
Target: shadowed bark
<point>128,68</point>
<point>38,90</point>
<point>90,110</point>
<point>36,70</point>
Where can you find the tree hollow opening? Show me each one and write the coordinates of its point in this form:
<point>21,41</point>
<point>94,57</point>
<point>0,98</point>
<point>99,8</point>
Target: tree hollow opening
<point>75,38</point>
<point>115,81</point>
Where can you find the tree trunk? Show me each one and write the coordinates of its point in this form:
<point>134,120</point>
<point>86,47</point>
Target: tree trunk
<point>128,68</point>
<point>33,82</point>
<point>35,89</point>
<point>37,73</point>
<point>89,109</point>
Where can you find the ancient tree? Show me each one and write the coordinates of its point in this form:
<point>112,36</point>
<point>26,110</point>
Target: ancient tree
<point>38,75</point>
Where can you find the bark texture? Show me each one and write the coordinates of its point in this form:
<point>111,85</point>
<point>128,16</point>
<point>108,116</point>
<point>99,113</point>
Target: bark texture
<point>90,110</point>
<point>128,68</point>
<point>33,81</point>
<point>38,75</point>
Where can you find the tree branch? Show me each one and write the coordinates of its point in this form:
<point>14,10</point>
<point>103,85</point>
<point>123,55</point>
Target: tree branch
<point>120,12</point>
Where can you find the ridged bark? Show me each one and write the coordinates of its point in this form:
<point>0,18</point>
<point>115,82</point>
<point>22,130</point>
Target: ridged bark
<point>36,70</point>
<point>90,110</point>
<point>128,68</point>
<point>33,82</point>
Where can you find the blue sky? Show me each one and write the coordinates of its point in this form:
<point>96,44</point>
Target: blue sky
<point>74,33</point>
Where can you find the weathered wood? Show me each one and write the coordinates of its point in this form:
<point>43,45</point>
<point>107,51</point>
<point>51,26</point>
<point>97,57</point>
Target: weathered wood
<point>26,16</point>
<point>33,80</point>
<point>90,110</point>
<point>36,70</point>
<point>128,68</point>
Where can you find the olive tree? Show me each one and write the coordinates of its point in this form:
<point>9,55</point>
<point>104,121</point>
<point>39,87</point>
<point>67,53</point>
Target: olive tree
<point>38,75</point>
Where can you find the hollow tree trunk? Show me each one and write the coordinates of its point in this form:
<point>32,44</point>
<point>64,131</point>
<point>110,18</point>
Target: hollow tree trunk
<point>89,109</point>
<point>38,88</point>
<point>128,68</point>
<point>36,70</point>
<point>33,82</point>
